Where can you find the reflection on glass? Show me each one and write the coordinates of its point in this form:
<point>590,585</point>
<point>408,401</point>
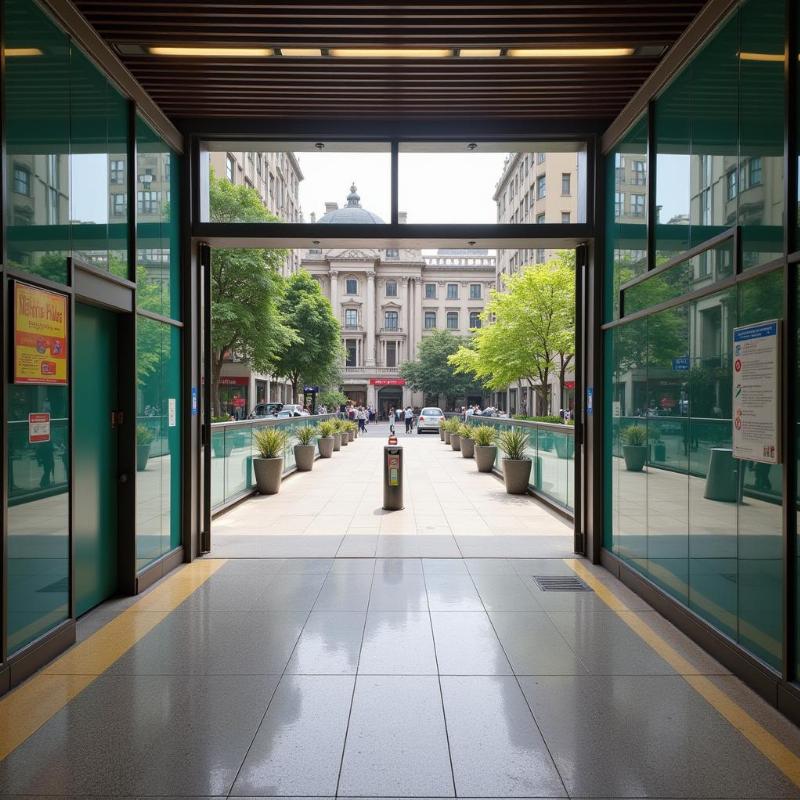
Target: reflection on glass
<point>37,143</point>
<point>157,224</point>
<point>627,204</point>
<point>38,515</point>
<point>158,440</point>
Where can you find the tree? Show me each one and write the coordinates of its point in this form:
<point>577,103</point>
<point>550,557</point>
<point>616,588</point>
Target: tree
<point>245,289</point>
<point>528,330</point>
<point>432,372</point>
<point>314,355</point>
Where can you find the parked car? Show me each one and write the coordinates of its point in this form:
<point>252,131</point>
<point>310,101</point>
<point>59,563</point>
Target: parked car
<point>265,410</point>
<point>285,413</point>
<point>296,409</point>
<point>429,419</point>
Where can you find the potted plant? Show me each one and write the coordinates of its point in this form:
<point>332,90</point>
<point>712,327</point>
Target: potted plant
<point>516,462</point>
<point>441,429</point>
<point>343,427</point>
<point>337,434</point>
<point>352,431</point>
<point>304,449</point>
<point>325,432</point>
<point>467,442</point>
<point>144,441</point>
<point>634,447</point>
<point>455,431</point>
<point>484,437</point>
<point>448,427</point>
<point>270,443</point>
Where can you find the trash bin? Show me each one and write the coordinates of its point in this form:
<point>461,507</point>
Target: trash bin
<point>723,481</point>
<point>392,478</point>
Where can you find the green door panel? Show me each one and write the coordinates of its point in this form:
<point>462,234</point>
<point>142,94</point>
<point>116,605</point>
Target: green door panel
<point>95,456</point>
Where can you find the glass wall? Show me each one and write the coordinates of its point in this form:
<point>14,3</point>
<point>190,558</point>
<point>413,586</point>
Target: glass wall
<point>703,526</point>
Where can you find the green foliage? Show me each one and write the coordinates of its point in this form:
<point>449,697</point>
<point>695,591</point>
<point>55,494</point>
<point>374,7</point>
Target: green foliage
<point>220,418</point>
<point>484,435</point>
<point>451,425</point>
<point>246,287</point>
<point>433,373</point>
<point>549,418</point>
<point>332,399</point>
<point>326,428</point>
<point>271,442</point>
<point>465,431</point>
<point>528,329</point>
<point>144,434</point>
<point>314,354</point>
<point>635,435</point>
<point>514,444</point>
<point>305,434</point>
<point>341,425</point>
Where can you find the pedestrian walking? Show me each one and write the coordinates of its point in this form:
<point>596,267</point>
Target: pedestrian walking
<point>409,417</point>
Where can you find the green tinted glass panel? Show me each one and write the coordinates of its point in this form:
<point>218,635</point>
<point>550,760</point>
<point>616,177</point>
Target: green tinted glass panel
<point>761,112</point>
<point>686,276</point>
<point>37,118</point>
<point>627,184</point>
<point>171,492</point>
<point>157,224</point>
<point>38,515</point>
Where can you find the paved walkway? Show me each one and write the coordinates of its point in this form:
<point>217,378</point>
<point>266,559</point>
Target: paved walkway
<point>451,511</point>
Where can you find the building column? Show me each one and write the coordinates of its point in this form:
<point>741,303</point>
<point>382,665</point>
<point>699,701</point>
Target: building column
<point>405,295</point>
<point>335,294</point>
<point>370,362</point>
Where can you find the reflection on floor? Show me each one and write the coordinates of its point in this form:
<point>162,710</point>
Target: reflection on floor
<point>389,678</point>
<point>451,510</point>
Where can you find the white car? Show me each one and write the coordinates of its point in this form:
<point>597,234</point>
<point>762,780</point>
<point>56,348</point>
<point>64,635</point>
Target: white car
<point>429,419</point>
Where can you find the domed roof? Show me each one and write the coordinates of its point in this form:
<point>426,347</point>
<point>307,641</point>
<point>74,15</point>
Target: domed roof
<point>352,213</point>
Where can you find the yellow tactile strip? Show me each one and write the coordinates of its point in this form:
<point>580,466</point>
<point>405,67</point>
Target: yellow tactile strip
<point>25,709</point>
<point>767,744</point>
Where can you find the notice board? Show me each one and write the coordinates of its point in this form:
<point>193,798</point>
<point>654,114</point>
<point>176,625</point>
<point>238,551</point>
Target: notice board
<point>40,338</point>
<point>757,392</point>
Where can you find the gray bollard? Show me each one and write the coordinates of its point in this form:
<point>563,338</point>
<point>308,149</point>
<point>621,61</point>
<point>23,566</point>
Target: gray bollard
<point>392,477</point>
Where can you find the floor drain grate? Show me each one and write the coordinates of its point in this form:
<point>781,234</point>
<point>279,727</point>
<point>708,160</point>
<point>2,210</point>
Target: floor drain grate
<point>560,583</point>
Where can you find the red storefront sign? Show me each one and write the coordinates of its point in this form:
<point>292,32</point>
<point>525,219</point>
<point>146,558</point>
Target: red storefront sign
<point>234,381</point>
<point>569,384</point>
<point>387,381</point>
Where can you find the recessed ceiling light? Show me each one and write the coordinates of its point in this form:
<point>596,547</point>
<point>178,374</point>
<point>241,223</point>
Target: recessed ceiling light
<point>21,51</point>
<point>479,52</point>
<point>225,52</point>
<point>320,145</point>
<point>390,52</point>
<point>570,52</point>
<point>761,57</point>
<point>472,146</point>
<point>301,52</point>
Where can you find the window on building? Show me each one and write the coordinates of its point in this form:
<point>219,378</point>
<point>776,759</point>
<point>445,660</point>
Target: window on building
<point>248,183</point>
<point>452,320</point>
<point>148,202</point>
<point>541,187</point>
<point>540,256</point>
<point>474,319</point>
<point>430,320</point>
<point>392,253</point>
<point>619,204</point>
<point>731,184</point>
<point>117,171</point>
<point>452,291</point>
<point>351,346</point>
<point>755,172</point>
<point>53,216</point>
<point>230,167</point>
<point>258,163</point>
<point>540,158</point>
<point>390,320</point>
<point>391,288</point>
<point>566,187</point>
<point>391,354</point>
<point>540,219</point>
<point>639,173</point>
<point>565,217</point>
<point>22,180</point>
<point>351,286</point>
<point>119,208</point>
<point>430,291</point>
<point>351,318</point>
<point>637,205</point>
<point>474,291</point>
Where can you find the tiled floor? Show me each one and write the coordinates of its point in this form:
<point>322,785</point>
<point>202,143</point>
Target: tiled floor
<point>451,511</point>
<point>399,678</point>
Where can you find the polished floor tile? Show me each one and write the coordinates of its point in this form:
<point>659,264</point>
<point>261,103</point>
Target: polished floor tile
<point>344,592</point>
<point>291,592</point>
<point>648,737</point>
<point>398,643</point>
<point>396,742</point>
<point>466,644</point>
<point>505,593</point>
<point>298,748</point>
<point>329,644</point>
<point>141,736</point>
<point>398,591</point>
<point>534,645</point>
<point>496,748</point>
<point>447,592</point>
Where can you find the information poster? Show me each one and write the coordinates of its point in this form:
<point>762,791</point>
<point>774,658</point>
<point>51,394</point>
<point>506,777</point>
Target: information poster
<point>756,392</point>
<point>38,428</point>
<point>40,336</point>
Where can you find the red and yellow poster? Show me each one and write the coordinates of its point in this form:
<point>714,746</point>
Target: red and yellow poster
<point>40,335</point>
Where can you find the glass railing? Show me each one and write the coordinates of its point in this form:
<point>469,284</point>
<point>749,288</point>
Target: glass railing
<point>232,451</point>
<point>551,448</point>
